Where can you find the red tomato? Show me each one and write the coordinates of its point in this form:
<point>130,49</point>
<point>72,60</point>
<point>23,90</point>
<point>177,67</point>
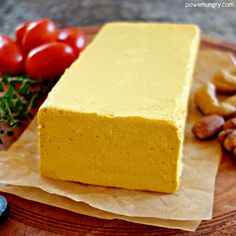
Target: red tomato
<point>49,60</point>
<point>11,58</point>
<point>39,32</point>
<point>74,37</point>
<point>5,39</point>
<point>20,32</point>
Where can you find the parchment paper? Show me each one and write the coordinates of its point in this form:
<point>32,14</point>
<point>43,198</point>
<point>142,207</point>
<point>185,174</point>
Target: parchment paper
<point>36,194</point>
<point>194,199</point>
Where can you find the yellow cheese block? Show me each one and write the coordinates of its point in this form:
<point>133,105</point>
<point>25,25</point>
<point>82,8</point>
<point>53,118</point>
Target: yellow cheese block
<point>117,115</point>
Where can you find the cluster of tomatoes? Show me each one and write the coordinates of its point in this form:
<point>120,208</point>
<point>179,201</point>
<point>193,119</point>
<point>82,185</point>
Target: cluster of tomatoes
<point>40,50</point>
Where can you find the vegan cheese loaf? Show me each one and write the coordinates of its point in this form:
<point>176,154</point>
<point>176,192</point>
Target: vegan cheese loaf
<point>117,115</point>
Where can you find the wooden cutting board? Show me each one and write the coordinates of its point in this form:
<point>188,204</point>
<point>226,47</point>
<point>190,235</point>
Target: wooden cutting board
<point>32,218</point>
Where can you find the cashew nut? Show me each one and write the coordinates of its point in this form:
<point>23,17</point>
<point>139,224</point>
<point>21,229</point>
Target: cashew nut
<point>231,100</point>
<point>207,102</point>
<point>225,80</point>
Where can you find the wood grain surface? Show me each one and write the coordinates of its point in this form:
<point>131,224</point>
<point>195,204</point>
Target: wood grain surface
<point>32,218</point>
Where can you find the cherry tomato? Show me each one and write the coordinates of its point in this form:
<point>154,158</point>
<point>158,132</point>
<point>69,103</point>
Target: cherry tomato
<point>74,37</point>
<point>20,32</point>
<point>11,58</point>
<point>5,39</point>
<point>49,60</point>
<point>39,32</point>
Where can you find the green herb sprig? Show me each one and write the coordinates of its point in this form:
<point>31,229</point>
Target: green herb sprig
<point>18,96</point>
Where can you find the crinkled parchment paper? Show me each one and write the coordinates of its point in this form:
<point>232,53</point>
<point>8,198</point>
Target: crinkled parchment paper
<point>192,202</point>
<point>39,195</point>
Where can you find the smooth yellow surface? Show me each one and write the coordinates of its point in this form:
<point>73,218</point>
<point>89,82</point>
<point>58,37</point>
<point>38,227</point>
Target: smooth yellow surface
<point>117,115</point>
